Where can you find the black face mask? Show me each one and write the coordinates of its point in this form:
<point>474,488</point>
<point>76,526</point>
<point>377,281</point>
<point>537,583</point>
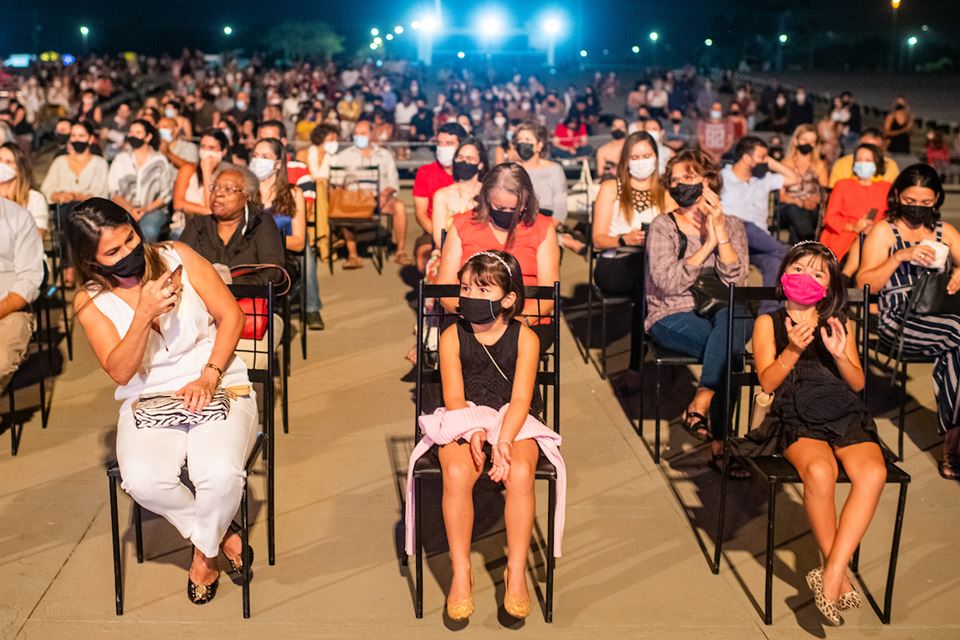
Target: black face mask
<point>686,194</point>
<point>135,143</point>
<point>805,149</point>
<point>776,153</point>
<point>676,120</point>
<point>501,218</point>
<point>464,170</point>
<point>79,145</point>
<point>618,134</point>
<point>916,214</point>
<point>62,138</point>
<point>524,150</point>
<point>134,264</point>
<point>760,170</point>
<point>479,311</point>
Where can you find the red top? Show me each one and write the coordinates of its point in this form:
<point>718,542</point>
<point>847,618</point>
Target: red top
<point>849,202</point>
<point>429,179</point>
<point>476,237</point>
<point>567,138</point>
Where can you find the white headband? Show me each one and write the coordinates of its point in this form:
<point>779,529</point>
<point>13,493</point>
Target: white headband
<point>490,254</point>
<point>803,242</point>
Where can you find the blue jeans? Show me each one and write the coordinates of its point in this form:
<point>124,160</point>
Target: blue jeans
<point>766,252</point>
<point>706,339</point>
<point>311,282</point>
<point>561,153</point>
<point>155,225</point>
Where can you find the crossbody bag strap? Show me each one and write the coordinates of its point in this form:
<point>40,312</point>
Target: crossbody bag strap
<point>682,238</point>
<point>241,270</point>
<point>490,355</point>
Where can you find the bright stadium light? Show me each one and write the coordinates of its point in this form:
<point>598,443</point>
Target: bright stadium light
<point>84,31</point>
<point>491,24</point>
<point>378,40</point>
<point>912,41</point>
<point>654,36</point>
<point>635,48</point>
<point>708,42</point>
<point>895,4</point>
<point>374,31</point>
<point>552,25</point>
<point>389,36</point>
<point>783,38</point>
<point>415,25</point>
<point>227,30</point>
<point>583,53</point>
<point>461,55</point>
<point>398,29</point>
<point>430,23</point>
<point>374,45</point>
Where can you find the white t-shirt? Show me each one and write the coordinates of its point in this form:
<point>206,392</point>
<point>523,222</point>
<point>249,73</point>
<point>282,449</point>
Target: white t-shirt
<point>37,206</point>
<point>403,114</point>
<point>748,200</point>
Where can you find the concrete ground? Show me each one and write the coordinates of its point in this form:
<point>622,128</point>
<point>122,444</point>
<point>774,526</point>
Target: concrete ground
<point>632,567</point>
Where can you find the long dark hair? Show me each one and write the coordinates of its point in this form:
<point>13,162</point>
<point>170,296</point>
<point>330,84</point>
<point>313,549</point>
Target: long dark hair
<point>149,130</point>
<point>916,175</point>
<point>834,303</point>
<point>487,268</point>
<point>513,178</point>
<point>623,173</point>
<point>283,201</point>
<point>84,226</point>
<point>477,144</point>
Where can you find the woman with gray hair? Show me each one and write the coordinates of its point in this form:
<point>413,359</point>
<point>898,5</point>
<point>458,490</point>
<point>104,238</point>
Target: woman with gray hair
<point>237,232</point>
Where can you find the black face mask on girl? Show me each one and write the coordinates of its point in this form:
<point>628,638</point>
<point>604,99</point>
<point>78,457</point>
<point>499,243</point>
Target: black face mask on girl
<point>686,194</point>
<point>524,150</point>
<point>79,145</point>
<point>480,311</point>
<point>135,143</point>
<point>915,214</point>
<point>463,171</point>
<point>501,218</point>
<point>134,264</point>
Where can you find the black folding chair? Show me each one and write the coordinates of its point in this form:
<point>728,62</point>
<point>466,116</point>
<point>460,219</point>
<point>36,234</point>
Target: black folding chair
<point>428,466</point>
<point>776,470</point>
<point>113,477</point>
<point>263,370</point>
<point>56,252</point>
<point>39,364</point>
<point>366,179</point>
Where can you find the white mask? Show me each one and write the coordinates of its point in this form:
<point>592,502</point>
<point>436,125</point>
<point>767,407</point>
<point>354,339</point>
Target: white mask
<point>499,121</point>
<point>7,173</point>
<point>166,135</point>
<point>642,168</point>
<point>170,112</point>
<point>445,155</point>
<point>209,153</point>
<point>716,115</point>
<point>262,167</point>
<point>331,147</point>
<point>361,142</point>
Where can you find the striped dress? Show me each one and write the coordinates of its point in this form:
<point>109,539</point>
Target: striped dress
<point>930,335</point>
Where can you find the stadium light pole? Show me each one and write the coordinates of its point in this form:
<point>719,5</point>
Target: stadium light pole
<point>654,38</point>
<point>84,33</point>
<point>552,26</point>
<point>427,27</point>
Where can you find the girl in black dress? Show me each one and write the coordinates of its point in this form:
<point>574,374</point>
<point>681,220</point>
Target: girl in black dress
<point>490,359</point>
<point>805,357</point>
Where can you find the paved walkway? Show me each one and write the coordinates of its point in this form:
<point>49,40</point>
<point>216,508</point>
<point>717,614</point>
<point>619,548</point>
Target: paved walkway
<point>632,566</point>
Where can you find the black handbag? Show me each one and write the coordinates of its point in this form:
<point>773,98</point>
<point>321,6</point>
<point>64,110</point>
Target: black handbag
<point>708,290</point>
<point>930,295</point>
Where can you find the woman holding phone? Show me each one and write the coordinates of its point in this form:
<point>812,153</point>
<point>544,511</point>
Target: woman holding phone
<point>161,322</point>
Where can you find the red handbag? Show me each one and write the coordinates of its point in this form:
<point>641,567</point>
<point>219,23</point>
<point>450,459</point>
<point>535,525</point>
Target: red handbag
<point>255,309</point>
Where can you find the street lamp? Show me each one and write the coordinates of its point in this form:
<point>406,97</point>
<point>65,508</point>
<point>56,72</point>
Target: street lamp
<point>783,38</point>
<point>553,25</point>
<point>654,36</point>
<point>84,32</point>
<point>912,41</point>
<point>895,4</point>
<point>708,42</point>
<point>461,55</point>
<point>227,30</point>
<point>635,48</point>
<point>583,53</point>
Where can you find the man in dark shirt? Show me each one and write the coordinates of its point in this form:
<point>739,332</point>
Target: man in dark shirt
<point>238,232</point>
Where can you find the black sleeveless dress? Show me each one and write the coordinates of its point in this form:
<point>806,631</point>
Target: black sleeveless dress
<point>483,383</point>
<point>813,402</point>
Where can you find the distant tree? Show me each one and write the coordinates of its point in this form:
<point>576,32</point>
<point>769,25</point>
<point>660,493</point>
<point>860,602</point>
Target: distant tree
<point>304,40</point>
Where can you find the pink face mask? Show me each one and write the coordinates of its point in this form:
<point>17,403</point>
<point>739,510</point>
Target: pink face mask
<point>802,288</point>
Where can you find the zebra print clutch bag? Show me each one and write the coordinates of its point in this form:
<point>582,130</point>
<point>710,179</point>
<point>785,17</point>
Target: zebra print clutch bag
<point>156,411</point>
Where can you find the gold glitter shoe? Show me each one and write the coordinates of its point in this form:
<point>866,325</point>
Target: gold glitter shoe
<point>461,610</point>
<point>519,608</point>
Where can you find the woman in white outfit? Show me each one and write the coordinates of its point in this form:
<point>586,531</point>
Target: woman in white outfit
<point>153,336</point>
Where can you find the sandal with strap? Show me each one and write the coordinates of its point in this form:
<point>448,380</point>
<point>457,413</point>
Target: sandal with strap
<point>950,467</point>
<point>236,564</point>
<point>402,259</point>
<point>353,263</point>
<point>697,425</point>
<point>737,470</point>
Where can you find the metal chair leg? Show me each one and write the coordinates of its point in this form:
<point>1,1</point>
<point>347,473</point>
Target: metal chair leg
<point>244,539</point>
<point>768,579</point>
<point>285,403</point>
<point>44,410</point>
<point>603,339</point>
<point>115,536</point>
<point>138,529</point>
<point>903,410</point>
<point>656,418</point>
<point>588,342</point>
<point>551,561</point>
<point>418,547</point>
<point>16,428</point>
<point>722,511</point>
<point>894,556</point>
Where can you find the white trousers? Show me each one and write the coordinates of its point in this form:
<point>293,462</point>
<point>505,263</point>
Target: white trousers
<point>215,452</point>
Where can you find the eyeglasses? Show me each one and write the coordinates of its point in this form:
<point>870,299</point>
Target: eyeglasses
<point>224,188</point>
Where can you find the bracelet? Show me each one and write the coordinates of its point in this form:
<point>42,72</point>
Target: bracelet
<point>722,242</point>
<point>506,442</point>
<point>219,371</point>
<point>782,366</point>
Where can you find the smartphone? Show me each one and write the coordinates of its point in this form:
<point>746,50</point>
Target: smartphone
<point>645,227</point>
<point>175,278</point>
<point>872,214</point>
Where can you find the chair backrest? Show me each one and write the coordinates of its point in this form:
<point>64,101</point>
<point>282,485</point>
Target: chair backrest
<point>261,313</point>
<point>738,301</point>
<point>427,367</point>
<point>365,177</point>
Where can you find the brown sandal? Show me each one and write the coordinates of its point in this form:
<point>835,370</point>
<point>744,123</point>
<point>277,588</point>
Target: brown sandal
<point>353,263</point>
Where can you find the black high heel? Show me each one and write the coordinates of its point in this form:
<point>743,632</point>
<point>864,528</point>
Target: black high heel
<point>236,564</point>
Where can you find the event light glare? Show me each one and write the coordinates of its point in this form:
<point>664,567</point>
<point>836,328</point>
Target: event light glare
<point>783,38</point>
<point>378,40</point>
<point>374,31</point>
<point>415,25</point>
<point>374,45</point>
<point>583,53</point>
<point>912,41</point>
<point>227,30</point>
<point>398,30</point>
<point>389,36</point>
<point>552,25</point>
<point>491,24</point>
<point>84,31</point>
<point>895,4</point>
<point>635,48</point>
<point>708,42</point>
<point>430,24</point>
<point>461,55</point>
<point>654,36</point>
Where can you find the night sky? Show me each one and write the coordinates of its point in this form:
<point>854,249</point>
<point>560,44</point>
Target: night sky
<point>615,24</point>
